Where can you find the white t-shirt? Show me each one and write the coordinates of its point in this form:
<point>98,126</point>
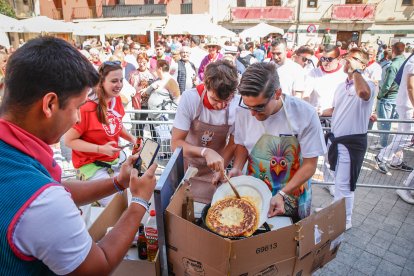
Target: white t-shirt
<point>351,113</point>
<point>291,77</point>
<point>402,95</point>
<point>320,87</point>
<point>52,230</point>
<point>189,74</point>
<point>373,72</point>
<point>305,124</point>
<point>187,111</point>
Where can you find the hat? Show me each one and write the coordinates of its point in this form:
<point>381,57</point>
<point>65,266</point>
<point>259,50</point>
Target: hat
<point>213,42</point>
<point>230,50</point>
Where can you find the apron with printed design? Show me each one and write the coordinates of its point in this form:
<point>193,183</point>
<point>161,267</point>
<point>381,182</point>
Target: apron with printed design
<point>275,160</point>
<point>210,136</point>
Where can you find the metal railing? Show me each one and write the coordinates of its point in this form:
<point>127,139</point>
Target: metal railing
<point>134,10</point>
<point>369,176</point>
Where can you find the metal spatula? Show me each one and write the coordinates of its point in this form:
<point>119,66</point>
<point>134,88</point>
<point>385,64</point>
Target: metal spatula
<point>232,186</point>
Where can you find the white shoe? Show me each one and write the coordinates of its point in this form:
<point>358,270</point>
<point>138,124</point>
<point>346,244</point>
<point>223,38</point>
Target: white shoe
<point>406,196</point>
<point>348,226</point>
<point>330,189</point>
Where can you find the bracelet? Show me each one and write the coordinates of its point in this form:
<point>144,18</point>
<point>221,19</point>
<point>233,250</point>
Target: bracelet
<point>119,188</point>
<point>141,202</point>
<point>283,194</point>
<point>203,151</point>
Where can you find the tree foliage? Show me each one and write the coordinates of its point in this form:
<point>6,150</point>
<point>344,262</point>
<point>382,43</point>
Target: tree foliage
<point>7,9</point>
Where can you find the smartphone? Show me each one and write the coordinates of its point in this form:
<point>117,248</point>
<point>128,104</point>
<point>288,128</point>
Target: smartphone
<point>147,156</point>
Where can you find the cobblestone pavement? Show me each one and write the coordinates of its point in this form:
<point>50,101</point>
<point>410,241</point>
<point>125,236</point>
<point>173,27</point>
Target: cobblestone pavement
<point>381,241</point>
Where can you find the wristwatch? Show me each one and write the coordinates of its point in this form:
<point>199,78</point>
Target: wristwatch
<point>359,71</point>
<point>283,194</point>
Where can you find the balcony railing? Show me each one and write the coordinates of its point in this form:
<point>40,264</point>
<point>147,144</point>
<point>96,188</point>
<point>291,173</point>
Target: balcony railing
<point>363,12</point>
<point>84,12</point>
<point>187,8</point>
<point>134,10</point>
<point>282,14</point>
<point>57,14</point>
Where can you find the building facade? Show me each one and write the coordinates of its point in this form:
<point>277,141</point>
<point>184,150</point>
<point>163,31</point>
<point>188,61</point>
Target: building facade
<point>302,20</point>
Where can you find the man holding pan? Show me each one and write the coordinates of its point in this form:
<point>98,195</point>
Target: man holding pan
<point>280,137</point>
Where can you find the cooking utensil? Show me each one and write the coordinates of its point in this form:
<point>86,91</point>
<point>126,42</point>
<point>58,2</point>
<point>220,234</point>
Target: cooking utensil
<point>248,186</point>
<point>232,186</point>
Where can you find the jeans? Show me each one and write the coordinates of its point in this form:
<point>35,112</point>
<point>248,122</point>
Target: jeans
<point>385,110</point>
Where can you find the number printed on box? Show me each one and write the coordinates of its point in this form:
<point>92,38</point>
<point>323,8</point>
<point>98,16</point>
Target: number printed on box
<point>266,248</point>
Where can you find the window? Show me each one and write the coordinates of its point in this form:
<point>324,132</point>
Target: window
<point>312,3</point>
<point>149,2</point>
<point>407,3</point>
<point>241,3</point>
<point>273,3</point>
<point>353,2</point>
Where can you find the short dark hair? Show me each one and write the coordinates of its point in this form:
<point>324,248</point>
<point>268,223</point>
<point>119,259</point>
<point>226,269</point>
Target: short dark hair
<point>304,50</point>
<point>398,48</point>
<point>259,78</point>
<point>163,65</point>
<point>43,65</point>
<point>332,48</point>
<point>249,45</point>
<point>195,39</point>
<point>221,76</point>
<point>280,40</point>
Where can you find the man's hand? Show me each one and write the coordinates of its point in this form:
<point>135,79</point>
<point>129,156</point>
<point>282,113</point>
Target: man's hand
<point>373,117</point>
<point>125,172</point>
<point>277,206</point>
<point>353,65</point>
<point>214,161</point>
<point>143,186</point>
<point>109,148</point>
<point>234,172</point>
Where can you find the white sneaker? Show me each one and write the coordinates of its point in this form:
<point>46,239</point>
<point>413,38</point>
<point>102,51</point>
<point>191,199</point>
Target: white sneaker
<point>330,189</point>
<point>348,226</point>
<point>376,146</point>
<point>318,209</point>
<point>406,196</point>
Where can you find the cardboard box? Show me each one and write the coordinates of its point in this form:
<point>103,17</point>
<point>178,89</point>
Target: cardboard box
<point>193,250</point>
<point>108,218</point>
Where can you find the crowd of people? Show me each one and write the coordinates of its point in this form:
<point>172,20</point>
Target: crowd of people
<point>259,106</point>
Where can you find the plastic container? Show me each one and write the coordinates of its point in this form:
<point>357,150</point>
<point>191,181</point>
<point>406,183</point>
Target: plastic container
<point>151,233</point>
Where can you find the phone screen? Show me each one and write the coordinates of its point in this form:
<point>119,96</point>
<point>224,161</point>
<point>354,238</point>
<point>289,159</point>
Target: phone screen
<point>147,155</point>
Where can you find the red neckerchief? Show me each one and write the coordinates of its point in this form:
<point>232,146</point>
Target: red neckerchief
<point>213,59</point>
<point>206,102</point>
<point>30,145</point>
<point>333,71</point>
<point>371,62</point>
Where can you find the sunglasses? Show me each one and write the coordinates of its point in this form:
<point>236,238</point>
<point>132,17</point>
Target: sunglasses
<point>258,108</point>
<point>112,63</point>
<point>304,59</point>
<point>211,46</point>
<point>357,59</point>
<point>327,59</point>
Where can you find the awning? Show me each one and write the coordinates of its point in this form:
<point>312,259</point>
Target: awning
<point>194,24</point>
<point>9,24</point>
<point>119,27</point>
<point>4,40</point>
<point>261,30</point>
<point>41,24</point>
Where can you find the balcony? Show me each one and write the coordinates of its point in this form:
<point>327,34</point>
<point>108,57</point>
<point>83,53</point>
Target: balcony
<point>274,13</point>
<point>187,8</point>
<point>84,12</point>
<point>134,10</point>
<point>57,14</point>
<point>360,12</point>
